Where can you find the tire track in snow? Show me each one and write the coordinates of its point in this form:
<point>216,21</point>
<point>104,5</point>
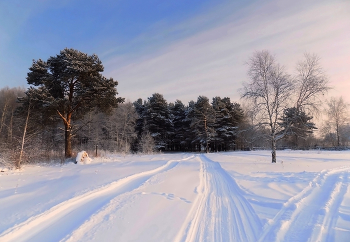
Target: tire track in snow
<point>300,216</point>
<point>87,230</point>
<point>220,211</point>
<point>331,210</point>
<point>63,218</point>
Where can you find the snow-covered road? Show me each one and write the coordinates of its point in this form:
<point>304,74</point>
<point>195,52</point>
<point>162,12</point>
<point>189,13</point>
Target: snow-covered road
<point>235,196</point>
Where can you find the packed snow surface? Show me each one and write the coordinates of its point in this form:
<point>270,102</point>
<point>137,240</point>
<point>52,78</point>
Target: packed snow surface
<point>234,196</point>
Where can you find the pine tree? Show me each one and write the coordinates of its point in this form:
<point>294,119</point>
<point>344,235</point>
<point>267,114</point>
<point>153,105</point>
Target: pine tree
<point>237,116</point>
<point>189,131</point>
<point>171,131</point>
<point>70,84</point>
<point>203,122</point>
<point>140,109</point>
<point>179,124</point>
<point>158,120</point>
<point>228,116</point>
<point>296,123</point>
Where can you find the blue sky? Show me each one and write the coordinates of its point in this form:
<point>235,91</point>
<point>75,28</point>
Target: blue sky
<point>179,48</point>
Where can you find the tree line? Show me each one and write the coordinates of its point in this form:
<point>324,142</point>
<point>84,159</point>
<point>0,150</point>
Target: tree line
<point>71,104</point>
<point>155,125</point>
<point>200,125</point>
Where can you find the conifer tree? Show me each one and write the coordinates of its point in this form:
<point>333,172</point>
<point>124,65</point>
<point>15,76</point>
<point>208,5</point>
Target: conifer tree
<point>190,133</point>
<point>171,131</point>
<point>158,120</point>
<point>296,123</point>
<point>140,110</point>
<point>179,124</point>
<point>71,84</point>
<point>228,116</point>
<point>203,122</point>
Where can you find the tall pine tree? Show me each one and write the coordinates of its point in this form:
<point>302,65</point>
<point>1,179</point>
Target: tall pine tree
<point>203,121</point>
<point>228,116</point>
<point>180,126</point>
<point>71,84</point>
<point>157,120</point>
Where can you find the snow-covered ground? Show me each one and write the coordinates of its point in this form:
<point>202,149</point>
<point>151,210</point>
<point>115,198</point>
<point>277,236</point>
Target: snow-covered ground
<point>235,196</point>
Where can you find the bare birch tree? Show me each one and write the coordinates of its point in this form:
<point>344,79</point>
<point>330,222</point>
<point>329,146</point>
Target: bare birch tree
<point>337,112</point>
<point>147,144</point>
<point>125,121</point>
<point>250,133</point>
<point>269,87</point>
<point>8,104</point>
<point>19,161</point>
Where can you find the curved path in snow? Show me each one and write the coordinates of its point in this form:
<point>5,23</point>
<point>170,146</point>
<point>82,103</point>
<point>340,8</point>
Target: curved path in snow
<point>65,217</point>
<point>220,212</point>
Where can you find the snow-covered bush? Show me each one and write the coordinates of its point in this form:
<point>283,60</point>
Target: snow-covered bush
<point>83,158</point>
<point>3,165</point>
<point>147,144</point>
<point>7,160</point>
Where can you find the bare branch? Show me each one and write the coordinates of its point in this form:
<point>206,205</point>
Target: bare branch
<point>311,82</point>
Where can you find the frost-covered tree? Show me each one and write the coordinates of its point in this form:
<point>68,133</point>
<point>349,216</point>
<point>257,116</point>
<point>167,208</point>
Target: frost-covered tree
<point>34,137</point>
<point>249,130</point>
<point>146,144</point>
<point>190,141</point>
<point>270,89</point>
<point>157,120</point>
<point>8,105</point>
<point>114,131</point>
<point>171,131</point>
<point>227,117</point>
<point>181,126</point>
<point>203,121</point>
<point>71,84</point>
<point>311,83</point>
<point>337,113</point>
<point>123,126</point>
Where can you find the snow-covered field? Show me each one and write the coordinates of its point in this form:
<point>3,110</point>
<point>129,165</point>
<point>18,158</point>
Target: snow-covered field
<point>235,196</point>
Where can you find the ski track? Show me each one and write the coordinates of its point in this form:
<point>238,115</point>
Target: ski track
<point>332,210</point>
<point>62,219</point>
<point>220,212</point>
<point>312,214</point>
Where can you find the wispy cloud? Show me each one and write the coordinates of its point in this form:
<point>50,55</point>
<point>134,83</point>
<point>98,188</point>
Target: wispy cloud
<point>211,61</point>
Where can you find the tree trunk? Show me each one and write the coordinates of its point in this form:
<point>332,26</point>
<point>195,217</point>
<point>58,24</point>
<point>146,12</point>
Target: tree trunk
<point>10,129</point>
<point>338,136</point>
<point>273,152</point>
<point>3,116</point>
<point>67,134</point>
<point>68,141</point>
<point>18,165</point>
<point>206,135</point>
